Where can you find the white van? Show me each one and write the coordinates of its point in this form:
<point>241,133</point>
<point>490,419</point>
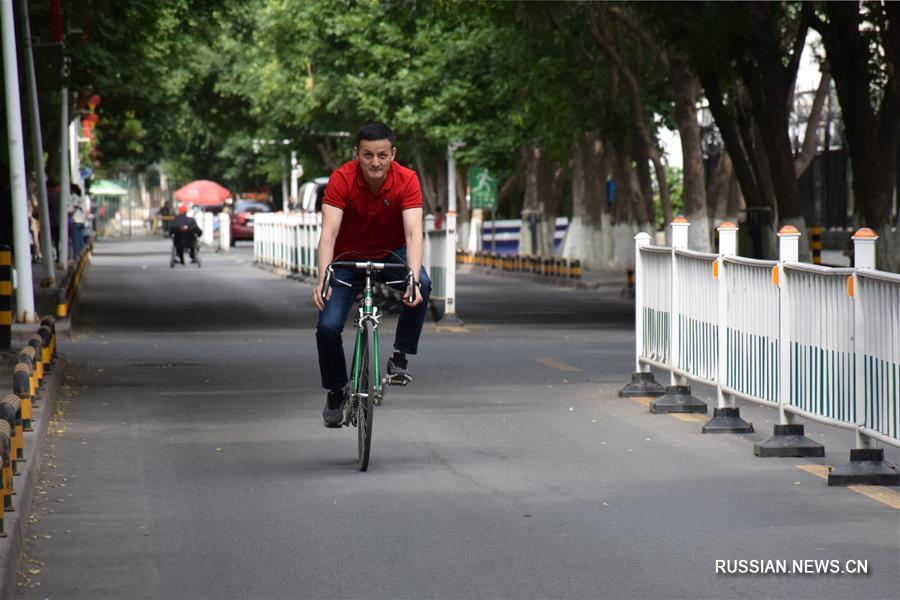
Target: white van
<point>311,194</point>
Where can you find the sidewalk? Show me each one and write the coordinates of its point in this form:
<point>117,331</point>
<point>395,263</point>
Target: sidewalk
<point>593,279</point>
<point>45,300</point>
<point>43,409</point>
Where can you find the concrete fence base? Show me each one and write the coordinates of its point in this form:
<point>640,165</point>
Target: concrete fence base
<point>866,467</point>
<point>727,420</point>
<point>642,385</point>
<point>788,441</point>
<point>677,399</point>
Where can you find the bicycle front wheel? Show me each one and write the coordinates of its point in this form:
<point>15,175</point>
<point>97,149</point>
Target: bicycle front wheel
<point>365,408</point>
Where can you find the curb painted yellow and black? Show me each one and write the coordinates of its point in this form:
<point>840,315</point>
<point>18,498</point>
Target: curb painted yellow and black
<point>6,290</point>
<point>550,267</point>
<point>37,374</point>
<point>68,289</point>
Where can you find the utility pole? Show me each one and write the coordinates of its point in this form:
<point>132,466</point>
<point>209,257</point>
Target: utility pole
<point>38,152</point>
<point>296,174</point>
<point>450,315</point>
<point>21,245</point>
<point>64,182</point>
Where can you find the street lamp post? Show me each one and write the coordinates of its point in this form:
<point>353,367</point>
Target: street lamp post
<point>38,152</point>
<point>290,169</point>
<point>24,290</point>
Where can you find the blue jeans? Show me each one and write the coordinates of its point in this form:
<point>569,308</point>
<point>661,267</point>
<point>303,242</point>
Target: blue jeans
<point>77,238</point>
<point>332,363</point>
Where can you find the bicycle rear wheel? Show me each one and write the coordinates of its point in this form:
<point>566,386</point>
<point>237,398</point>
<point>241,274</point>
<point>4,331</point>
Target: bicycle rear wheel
<point>365,408</point>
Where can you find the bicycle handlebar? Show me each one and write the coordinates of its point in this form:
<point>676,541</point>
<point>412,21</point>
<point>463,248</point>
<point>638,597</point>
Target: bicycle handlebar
<point>370,266</point>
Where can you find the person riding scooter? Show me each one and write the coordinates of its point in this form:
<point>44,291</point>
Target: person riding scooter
<point>185,232</point>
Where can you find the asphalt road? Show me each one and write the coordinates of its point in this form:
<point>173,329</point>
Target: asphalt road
<point>189,459</point>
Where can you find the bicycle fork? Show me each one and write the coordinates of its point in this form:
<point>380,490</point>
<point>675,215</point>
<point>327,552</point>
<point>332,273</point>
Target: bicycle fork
<point>368,313</point>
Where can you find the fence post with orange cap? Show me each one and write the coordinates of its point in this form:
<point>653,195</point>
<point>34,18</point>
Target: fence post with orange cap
<point>788,438</point>
<point>678,398</point>
<point>866,466</point>
<point>642,384</point>
<point>726,416</point>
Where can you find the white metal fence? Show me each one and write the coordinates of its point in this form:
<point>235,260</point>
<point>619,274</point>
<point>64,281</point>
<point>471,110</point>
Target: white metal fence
<point>436,258</point>
<point>819,342</point>
<point>287,241</point>
<point>290,240</point>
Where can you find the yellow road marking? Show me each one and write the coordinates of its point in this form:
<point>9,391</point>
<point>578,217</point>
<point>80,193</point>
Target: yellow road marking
<point>690,417</point>
<point>875,492</point>
<point>817,470</point>
<point>556,364</point>
<point>880,493</point>
<point>452,329</point>
<point>642,400</point>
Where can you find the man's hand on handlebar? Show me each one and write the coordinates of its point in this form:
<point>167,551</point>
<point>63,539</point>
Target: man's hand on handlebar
<point>416,294</point>
<point>318,302</point>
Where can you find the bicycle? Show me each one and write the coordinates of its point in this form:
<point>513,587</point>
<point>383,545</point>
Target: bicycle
<point>366,386</point>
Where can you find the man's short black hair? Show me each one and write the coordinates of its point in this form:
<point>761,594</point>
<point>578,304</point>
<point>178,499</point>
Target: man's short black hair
<point>374,131</point>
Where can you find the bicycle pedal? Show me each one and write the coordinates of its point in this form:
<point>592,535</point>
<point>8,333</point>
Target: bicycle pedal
<point>398,380</point>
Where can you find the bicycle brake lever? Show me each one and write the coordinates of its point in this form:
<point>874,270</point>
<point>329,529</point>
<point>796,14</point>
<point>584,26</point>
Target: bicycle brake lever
<point>411,286</point>
<point>326,283</point>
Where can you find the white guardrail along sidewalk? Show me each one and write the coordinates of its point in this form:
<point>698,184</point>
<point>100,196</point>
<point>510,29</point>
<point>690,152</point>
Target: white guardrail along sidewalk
<point>290,240</point>
<point>287,241</point>
<point>819,342</point>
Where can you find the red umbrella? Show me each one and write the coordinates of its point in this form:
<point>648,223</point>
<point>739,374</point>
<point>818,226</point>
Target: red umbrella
<point>202,192</point>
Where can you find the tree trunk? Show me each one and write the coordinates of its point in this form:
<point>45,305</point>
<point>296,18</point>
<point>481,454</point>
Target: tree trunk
<point>769,82</point>
<point>628,211</point>
<point>429,193</point>
<point>811,135</point>
<point>733,140</point>
<point>646,150</point>
<point>529,242</point>
<point>587,233</point>
<point>686,90</point>
<point>725,192</point>
<point>872,137</point>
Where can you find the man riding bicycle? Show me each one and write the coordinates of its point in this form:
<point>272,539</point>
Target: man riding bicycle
<point>372,210</point>
<point>185,232</point>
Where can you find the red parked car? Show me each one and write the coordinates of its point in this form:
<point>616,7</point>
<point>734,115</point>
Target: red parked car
<point>242,218</point>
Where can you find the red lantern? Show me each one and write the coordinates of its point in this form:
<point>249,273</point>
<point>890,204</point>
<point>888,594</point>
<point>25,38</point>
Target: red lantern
<point>93,102</point>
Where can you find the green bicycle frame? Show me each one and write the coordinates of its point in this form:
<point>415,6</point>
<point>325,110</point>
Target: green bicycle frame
<point>368,312</point>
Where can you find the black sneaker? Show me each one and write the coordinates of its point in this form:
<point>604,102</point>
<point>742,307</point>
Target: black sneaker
<point>396,370</point>
<point>333,413</point>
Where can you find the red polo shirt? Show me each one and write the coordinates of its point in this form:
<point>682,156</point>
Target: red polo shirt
<point>372,224</point>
